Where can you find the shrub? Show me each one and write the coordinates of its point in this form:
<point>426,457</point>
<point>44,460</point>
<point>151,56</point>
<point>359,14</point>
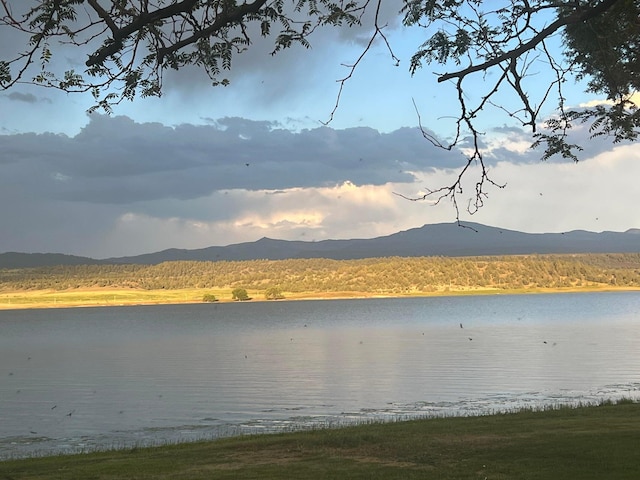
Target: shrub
<point>239,294</point>
<point>273,293</point>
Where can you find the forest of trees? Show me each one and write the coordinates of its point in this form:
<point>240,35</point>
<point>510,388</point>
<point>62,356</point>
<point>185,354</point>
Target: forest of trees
<point>393,275</point>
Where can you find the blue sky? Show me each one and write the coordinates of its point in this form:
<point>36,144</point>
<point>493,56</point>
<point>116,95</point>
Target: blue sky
<point>208,166</point>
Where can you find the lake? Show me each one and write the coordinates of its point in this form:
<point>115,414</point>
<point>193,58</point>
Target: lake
<point>115,377</point>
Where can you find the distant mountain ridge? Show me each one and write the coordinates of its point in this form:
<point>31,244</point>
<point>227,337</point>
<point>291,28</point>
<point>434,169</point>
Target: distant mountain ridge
<point>443,239</point>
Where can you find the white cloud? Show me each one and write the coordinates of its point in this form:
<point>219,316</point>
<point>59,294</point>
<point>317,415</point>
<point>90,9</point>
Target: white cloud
<point>633,98</point>
<point>596,193</point>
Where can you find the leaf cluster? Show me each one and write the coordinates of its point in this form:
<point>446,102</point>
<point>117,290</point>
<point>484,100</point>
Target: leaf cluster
<point>515,38</point>
<point>605,50</point>
<point>131,43</point>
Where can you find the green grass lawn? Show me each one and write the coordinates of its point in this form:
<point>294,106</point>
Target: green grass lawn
<point>598,442</point>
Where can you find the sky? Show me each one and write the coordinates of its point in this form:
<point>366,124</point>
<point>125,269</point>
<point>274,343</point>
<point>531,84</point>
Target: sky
<point>205,165</point>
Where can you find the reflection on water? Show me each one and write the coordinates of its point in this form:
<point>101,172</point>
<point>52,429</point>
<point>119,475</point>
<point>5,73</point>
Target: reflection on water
<point>75,379</point>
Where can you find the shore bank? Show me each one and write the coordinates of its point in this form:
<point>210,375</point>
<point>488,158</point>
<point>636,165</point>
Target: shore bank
<point>588,442</point>
<point>107,297</point>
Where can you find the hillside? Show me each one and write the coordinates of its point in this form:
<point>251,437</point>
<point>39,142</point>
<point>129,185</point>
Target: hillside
<point>387,276</point>
<point>444,239</point>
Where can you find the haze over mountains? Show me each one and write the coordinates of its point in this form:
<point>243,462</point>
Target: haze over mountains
<point>443,239</point>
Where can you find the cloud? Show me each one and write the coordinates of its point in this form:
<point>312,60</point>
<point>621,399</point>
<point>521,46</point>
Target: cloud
<point>115,160</point>
<point>298,86</point>
<point>341,211</point>
<point>595,193</point>
<point>539,197</point>
<point>261,82</point>
<point>22,97</point>
<point>121,187</point>
<point>634,98</point>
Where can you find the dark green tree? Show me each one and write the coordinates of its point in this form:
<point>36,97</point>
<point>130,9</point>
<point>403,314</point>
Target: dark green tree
<point>605,50</point>
<point>239,294</point>
<point>209,297</point>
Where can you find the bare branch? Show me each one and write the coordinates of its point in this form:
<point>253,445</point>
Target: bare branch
<point>575,17</point>
<point>104,15</point>
<point>352,68</point>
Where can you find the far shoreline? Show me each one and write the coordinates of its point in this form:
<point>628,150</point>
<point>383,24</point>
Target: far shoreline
<point>48,299</point>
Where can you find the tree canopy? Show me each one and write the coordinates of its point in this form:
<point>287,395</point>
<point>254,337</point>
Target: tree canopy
<point>384,276</point>
<point>239,294</point>
<point>514,39</point>
<point>130,44</point>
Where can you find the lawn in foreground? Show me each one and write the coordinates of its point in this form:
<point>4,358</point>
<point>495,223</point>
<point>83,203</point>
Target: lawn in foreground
<point>584,443</point>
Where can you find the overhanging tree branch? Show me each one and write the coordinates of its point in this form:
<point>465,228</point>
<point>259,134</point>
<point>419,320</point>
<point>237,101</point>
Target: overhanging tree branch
<point>115,44</point>
<point>222,20</point>
<point>575,17</point>
<point>131,43</point>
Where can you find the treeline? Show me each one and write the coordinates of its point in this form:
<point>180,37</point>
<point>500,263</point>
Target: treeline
<point>375,275</point>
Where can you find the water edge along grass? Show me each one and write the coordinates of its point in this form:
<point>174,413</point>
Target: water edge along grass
<point>584,442</point>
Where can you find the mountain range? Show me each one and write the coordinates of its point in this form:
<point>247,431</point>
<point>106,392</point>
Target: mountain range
<point>443,239</point>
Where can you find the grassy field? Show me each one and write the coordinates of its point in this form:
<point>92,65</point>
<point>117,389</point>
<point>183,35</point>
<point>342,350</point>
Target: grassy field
<point>101,297</point>
<point>113,297</point>
<point>597,442</point>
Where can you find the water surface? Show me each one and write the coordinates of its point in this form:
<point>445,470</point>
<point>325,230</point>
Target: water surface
<point>109,377</point>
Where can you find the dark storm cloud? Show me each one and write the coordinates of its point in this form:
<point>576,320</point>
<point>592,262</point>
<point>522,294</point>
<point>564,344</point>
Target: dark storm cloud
<point>114,160</point>
<point>22,97</point>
